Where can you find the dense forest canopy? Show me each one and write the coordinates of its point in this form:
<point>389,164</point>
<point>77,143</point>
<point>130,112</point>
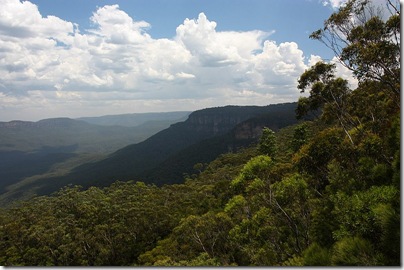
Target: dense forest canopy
<point>323,192</point>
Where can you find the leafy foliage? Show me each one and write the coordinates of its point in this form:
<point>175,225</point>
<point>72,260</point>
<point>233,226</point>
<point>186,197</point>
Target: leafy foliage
<point>329,195</point>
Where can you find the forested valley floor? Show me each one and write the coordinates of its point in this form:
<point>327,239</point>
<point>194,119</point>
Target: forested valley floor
<point>323,192</point>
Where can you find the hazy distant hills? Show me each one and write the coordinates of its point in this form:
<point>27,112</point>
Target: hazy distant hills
<point>136,119</point>
<point>84,135</point>
<point>53,153</point>
<point>68,135</point>
<point>49,147</point>
<point>165,156</point>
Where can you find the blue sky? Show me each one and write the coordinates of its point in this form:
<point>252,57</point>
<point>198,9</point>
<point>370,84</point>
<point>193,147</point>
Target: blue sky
<point>87,58</point>
<point>292,20</point>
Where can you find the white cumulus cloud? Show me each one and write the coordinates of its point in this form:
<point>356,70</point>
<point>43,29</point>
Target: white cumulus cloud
<point>334,3</point>
<point>48,66</point>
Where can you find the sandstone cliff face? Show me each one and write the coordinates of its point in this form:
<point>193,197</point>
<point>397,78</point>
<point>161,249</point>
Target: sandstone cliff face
<point>221,120</point>
<point>164,157</point>
<point>216,124</point>
<point>248,131</point>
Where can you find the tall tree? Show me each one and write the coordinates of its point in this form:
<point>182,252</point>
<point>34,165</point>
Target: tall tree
<point>366,43</point>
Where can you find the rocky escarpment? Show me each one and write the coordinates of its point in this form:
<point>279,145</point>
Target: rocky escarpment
<point>220,120</point>
<point>165,156</point>
<point>248,130</point>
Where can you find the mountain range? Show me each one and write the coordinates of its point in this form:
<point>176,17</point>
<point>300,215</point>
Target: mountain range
<point>136,119</point>
<point>30,150</point>
<point>164,157</point>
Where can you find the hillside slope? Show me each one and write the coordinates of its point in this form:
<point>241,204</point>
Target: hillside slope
<point>138,161</point>
<point>55,146</point>
<point>242,135</point>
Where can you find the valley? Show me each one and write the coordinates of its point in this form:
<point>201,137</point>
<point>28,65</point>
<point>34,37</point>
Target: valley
<point>54,147</point>
<point>42,157</point>
<point>315,182</point>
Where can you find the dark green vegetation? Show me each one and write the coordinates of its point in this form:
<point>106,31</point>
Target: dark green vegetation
<point>164,157</point>
<point>322,192</point>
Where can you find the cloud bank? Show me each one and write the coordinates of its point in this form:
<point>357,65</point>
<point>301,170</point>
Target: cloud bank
<point>334,3</point>
<point>49,67</point>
